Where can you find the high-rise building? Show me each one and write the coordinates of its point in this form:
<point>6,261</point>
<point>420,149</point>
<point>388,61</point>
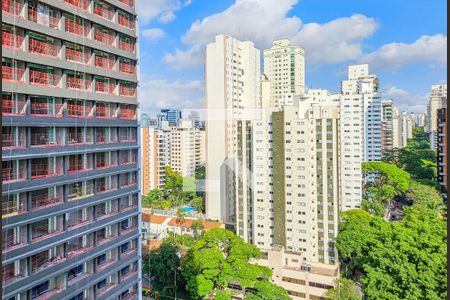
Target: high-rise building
<point>179,147</point>
<point>284,67</point>
<point>232,87</point>
<point>397,132</point>
<point>387,134</point>
<point>407,128</point>
<point>360,109</point>
<point>173,116</point>
<point>442,145</point>
<point>438,99</point>
<point>421,120</point>
<point>194,117</point>
<point>70,151</point>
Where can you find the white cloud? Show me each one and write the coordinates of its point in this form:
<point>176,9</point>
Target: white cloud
<point>266,20</point>
<point>153,34</point>
<point>426,49</point>
<point>155,94</point>
<point>163,10</point>
<point>404,100</point>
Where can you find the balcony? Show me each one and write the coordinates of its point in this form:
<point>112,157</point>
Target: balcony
<point>77,138</point>
<point>43,140</point>
<point>79,191</point>
<point>77,83</point>
<point>11,274</point>
<point>105,112</point>
<point>42,261</point>
<point>43,48</point>
<point>41,231</point>
<point>104,187</point>
<point>48,294</point>
<point>103,37</point>
<point>130,3</point>
<point>104,87</point>
<point>128,91</point>
<point>12,174</point>
<point>128,229</point>
<point>42,109</point>
<point>103,240</point>
<point>14,205</point>
<point>83,4</point>
<point>11,40</point>
<point>79,165</point>
<point>79,223</point>
<point>44,78</point>
<point>126,46</point>
<point>12,107</point>
<point>53,22</point>
<point>12,73</point>
<point>105,289</point>
<point>76,247</point>
<point>12,7</point>
<point>132,295</point>
<point>44,199</point>
<point>126,22</point>
<point>11,241</point>
<point>77,56</point>
<point>103,12</point>
<point>128,113</point>
<point>78,110</point>
<point>103,162</point>
<point>75,28</point>
<point>43,170</point>
<point>126,68</point>
<point>104,62</point>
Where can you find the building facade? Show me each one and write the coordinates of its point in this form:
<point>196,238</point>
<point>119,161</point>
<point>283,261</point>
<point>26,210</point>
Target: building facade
<point>70,211</point>
<point>442,150</point>
<point>437,100</point>
<point>387,133</point>
<point>232,87</point>
<point>284,66</point>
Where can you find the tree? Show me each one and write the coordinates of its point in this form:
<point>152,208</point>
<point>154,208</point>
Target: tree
<point>219,258</point>
<point>345,289</point>
<point>181,214</point>
<point>398,260</point>
<point>153,199</point>
<point>196,226</point>
<point>200,172</point>
<point>163,263</point>
<point>197,203</point>
<point>266,290</point>
<point>173,180</point>
<point>424,195</point>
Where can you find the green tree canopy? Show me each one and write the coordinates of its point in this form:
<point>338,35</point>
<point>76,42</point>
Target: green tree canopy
<point>173,180</point>
<point>425,195</point>
<point>398,260</point>
<point>345,289</point>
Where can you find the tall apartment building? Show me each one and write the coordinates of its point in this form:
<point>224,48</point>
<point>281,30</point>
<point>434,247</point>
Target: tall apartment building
<point>179,147</point>
<point>360,110</point>
<point>407,128</point>
<point>421,120</point>
<point>70,212</point>
<point>387,134</point>
<point>173,116</point>
<point>442,148</point>
<point>232,87</point>
<point>284,66</point>
<point>438,99</point>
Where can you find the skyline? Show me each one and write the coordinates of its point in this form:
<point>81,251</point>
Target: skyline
<point>173,35</point>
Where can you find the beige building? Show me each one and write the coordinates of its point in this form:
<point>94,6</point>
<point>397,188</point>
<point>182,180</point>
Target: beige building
<point>437,100</point>
<point>179,147</point>
<point>284,66</point>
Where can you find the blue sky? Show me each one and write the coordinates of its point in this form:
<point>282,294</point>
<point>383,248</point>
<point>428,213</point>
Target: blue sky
<point>405,43</point>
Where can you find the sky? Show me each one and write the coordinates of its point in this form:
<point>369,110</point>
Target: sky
<point>403,41</point>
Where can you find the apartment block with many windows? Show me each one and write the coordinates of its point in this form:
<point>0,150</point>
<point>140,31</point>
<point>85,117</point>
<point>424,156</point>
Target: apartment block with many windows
<point>70,206</point>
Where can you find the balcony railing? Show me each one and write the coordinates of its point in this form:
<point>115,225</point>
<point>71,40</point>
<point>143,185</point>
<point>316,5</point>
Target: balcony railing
<point>12,74</point>
<point>49,294</point>
<point>12,40</point>
<point>126,68</point>
<point>53,22</point>
<point>128,2</point>
<point>45,200</point>
<point>127,91</point>
<point>80,223</point>
<point>43,140</point>
<point>104,240</point>
<point>103,37</point>
<point>128,138</point>
<point>126,46</point>
<point>44,78</point>
<point>43,48</point>
<point>10,242</point>
<point>104,87</point>
<point>104,112</point>
<point>11,141</point>
<point>128,230</point>
<point>103,12</point>
<point>11,174</point>
<point>78,83</point>
<point>77,138</point>
<point>102,187</point>
<point>124,21</point>
<point>43,263</point>
<point>43,233</point>
<point>46,109</point>
<point>106,288</point>
<point>133,295</point>
<point>13,207</point>
<point>78,166</point>
<point>77,56</point>
<point>83,4</point>
<point>75,28</point>
<point>12,107</point>
<point>45,170</point>
<point>12,7</point>
<point>128,113</point>
<point>104,62</point>
<point>79,250</point>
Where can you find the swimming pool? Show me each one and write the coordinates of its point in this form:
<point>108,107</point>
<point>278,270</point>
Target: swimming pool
<point>188,208</point>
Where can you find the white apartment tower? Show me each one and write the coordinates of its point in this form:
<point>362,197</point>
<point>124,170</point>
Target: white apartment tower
<point>284,66</point>
<point>360,110</point>
<point>438,99</point>
<point>232,86</point>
